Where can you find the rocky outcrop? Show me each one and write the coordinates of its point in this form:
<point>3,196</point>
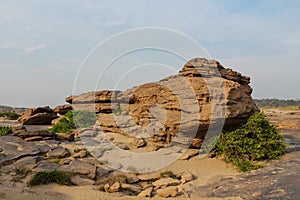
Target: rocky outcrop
<point>204,94</point>
<point>217,91</point>
<point>63,109</point>
<point>99,102</point>
<point>38,116</point>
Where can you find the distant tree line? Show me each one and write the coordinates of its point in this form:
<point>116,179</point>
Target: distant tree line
<point>276,102</point>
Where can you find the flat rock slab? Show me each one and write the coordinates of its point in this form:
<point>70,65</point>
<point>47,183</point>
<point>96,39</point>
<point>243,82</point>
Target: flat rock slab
<point>166,182</point>
<point>149,176</point>
<point>146,193</point>
<point>171,191</point>
<point>189,154</point>
<point>58,152</point>
<point>80,167</point>
<point>14,148</point>
<point>79,181</point>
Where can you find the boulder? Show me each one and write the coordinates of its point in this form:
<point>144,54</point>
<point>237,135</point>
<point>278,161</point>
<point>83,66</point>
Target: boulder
<point>131,178</point>
<point>186,177</point>
<point>38,116</point>
<point>135,189</point>
<point>58,152</point>
<point>63,109</point>
<point>189,153</point>
<point>65,136</point>
<point>138,142</point>
<point>44,166</point>
<point>80,154</point>
<point>79,181</point>
<point>37,133</point>
<point>171,191</point>
<point>202,95</point>
<point>104,96</point>
<point>177,93</point>
<point>149,176</point>
<point>146,192</point>
<point>166,182</point>
<point>81,168</point>
<point>114,187</point>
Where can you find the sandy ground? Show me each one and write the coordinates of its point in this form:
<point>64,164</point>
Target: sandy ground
<point>56,192</point>
<point>204,169</point>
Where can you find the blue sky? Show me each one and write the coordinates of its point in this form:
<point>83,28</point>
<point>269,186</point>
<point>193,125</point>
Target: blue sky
<point>43,43</point>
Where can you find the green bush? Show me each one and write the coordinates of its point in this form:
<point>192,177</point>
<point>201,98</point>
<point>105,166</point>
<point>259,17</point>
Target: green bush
<point>10,115</point>
<point>255,141</point>
<point>45,177</point>
<point>84,119</point>
<point>73,119</point>
<point>4,130</point>
<point>64,125</point>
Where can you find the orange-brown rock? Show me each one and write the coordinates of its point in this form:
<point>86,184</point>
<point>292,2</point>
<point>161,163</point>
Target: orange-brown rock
<point>104,96</point>
<point>38,116</point>
<point>63,109</point>
<point>202,95</point>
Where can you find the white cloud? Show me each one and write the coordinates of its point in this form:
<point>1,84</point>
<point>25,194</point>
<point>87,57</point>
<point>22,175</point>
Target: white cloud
<point>33,49</point>
<point>6,46</point>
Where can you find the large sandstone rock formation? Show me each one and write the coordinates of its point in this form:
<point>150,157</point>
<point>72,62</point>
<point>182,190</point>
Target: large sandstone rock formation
<point>204,95</point>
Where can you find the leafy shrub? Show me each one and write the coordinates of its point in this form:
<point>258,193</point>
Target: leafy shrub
<point>45,177</point>
<point>10,115</point>
<point>81,119</point>
<point>4,130</point>
<point>255,141</point>
<point>64,125</point>
<point>209,145</point>
<point>84,119</point>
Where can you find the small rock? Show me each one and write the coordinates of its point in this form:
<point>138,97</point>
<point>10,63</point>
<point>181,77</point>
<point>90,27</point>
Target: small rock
<point>65,161</point>
<point>189,153</point>
<point>138,142</point>
<point>80,167</point>
<point>100,188</point>
<point>58,152</point>
<point>166,182</point>
<point>186,177</point>
<point>80,154</point>
<point>152,147</point>
<point>146,193</point>
<point>136,189</point>
<point>63,109</point>
<point>46,167</point>
<point>102,171</point>
<point>28,134</point>
<point>34,138</point>
<point>145,185</point>
<point>115,187</point>
<point>79,181</point>
<point>106,187</point>
<point>131,178</point>
<point>123,146</point>
<point>196,143</point>
<point>55,121</point>
<point>65,136</point>
<point>171,191</point>
<point>149,176</point>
